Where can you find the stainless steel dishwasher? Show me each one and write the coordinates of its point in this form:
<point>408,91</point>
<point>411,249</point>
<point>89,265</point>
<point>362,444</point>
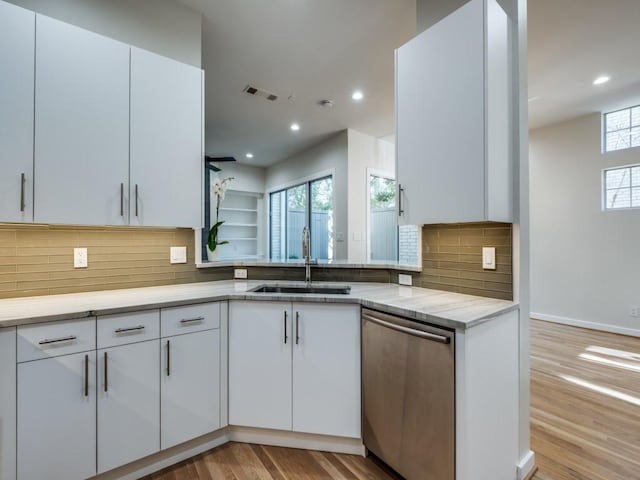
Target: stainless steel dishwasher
<point>408,386</point>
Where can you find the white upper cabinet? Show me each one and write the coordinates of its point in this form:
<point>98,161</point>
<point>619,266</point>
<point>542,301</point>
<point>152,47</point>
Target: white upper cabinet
<point>166,142</point>
<point>81,126</point>
<point>454,161</point>
<point>17,32</point>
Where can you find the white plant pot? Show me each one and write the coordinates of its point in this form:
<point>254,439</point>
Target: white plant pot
<point>213,256</point>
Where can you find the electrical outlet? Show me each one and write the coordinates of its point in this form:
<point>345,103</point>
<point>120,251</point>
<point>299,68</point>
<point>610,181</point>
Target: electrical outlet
<point>240,273</point>
<point>489,258</point>
<point>80,258</point>
<point>178,255</point>
<point>634,311</point>
<point>404,279</point>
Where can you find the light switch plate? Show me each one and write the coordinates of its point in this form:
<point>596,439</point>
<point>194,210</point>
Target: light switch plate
<point>178,255</point>
<point>404,279</point>
<point>80,258</point>
<point>240,273</point>
<point>489,258</point>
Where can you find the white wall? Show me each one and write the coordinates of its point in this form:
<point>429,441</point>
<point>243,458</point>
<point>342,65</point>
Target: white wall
<point>246,178</point>
<point>165,27</point>
<point>328,155</point>
<point>585,262</point>
<point>364,152</point>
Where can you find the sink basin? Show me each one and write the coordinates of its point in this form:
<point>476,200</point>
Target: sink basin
<point>326,289</point>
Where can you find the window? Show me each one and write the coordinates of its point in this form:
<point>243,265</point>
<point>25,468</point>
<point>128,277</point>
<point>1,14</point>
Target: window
<point>383,229</point>
<point>310,204</point>
<point>622,129</point>
<point>621,187</point>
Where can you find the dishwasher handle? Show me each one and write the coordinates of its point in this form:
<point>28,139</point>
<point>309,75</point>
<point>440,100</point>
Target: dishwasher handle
<point>409,331</point>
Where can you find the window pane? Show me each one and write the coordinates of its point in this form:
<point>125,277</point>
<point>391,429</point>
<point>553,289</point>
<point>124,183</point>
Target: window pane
<point>383,229</point>
<point>619,198</point>
<point>618,140</point>
<point>620,177</point>
<point>618,120</point>
<point>277,215</point>
<point>296,220</point>
<point>635,116</point>
<point>635,197</point>
<point>635,175</point>
<point>635,137</point>
<point>322,219</point>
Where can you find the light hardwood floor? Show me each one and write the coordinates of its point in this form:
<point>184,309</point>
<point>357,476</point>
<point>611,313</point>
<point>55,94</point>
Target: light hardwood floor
<point>585,420</point>
<point>585,403</point>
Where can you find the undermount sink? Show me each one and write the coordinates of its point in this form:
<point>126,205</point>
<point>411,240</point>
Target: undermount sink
<point>326,289</point>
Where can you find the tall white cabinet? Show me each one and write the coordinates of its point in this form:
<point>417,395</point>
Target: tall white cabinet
<point>81,126</point>
<point>8,403</point>
<point>453,119</point>
<point>17,44</point>
<point>166,141</point>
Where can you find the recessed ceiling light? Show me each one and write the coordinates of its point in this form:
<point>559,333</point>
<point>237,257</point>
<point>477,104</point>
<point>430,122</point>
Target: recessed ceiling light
<point>295,127</point>
<point>357,95</point>
<point>249,155</point>
<point>602,79</point>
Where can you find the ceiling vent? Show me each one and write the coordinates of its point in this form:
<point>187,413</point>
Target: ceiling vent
<point>251,90</point>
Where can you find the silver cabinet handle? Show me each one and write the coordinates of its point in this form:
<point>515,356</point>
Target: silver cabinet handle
<point>186,321</point>
<point>285,327</point>
<point>297,328</point>
<point>22,202</point>
<point>130,329</point>
<point>86,375</point>
<point>400,192</point>
<point>168,358</point>
<point>122,199</point>
<point>136,199</point>
<point>47,341</point>
<point>410,331</point>
<point>106,373</point>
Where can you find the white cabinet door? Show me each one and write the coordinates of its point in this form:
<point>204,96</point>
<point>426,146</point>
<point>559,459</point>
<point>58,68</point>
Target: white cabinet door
<point>166,141</point>
<point>190,386</point>
<point>260,337</point>
<point>452,119</point>
<point>128,403</point>
<point>17,32</point>
<point>326,369</point>
<point>81,126</point>
<point>8,403</point>
<point>57,418</point>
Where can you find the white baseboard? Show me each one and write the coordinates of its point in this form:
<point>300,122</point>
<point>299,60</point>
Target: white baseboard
<point>526,465</point>
<point>305,441</point>
<point>604,327</point>
<point>166,458</point>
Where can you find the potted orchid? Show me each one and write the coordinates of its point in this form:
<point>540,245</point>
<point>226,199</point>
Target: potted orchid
<point>218,189</point>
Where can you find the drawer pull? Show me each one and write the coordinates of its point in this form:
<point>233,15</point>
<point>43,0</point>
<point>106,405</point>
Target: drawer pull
<point>106,372</point>
<point>186,321</point>
<point>47,341</point>
<point>168,358</point>
<point>86,375</point>
<point>130,329</point>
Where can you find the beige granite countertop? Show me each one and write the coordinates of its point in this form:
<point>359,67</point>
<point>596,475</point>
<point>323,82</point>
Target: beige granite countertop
<point>452,310</point>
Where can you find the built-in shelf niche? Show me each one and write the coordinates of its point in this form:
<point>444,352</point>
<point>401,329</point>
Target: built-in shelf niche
<point>241,212</point>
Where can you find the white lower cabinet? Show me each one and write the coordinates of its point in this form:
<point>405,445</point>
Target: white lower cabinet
<point>260,337</point>
<point>295,367</point>
<point>326,369</point>
<point>128,403</point>
<point>190,386</point>
<point>57,418</point>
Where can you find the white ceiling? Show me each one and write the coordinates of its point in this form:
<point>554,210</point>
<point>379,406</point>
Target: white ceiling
<point>313,49</point>
<point>571,42</point>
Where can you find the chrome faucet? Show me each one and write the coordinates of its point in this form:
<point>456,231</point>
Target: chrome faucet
<point>306,253</point>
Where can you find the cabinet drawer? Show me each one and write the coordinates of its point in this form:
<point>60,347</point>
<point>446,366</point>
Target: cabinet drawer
<point>56,338</point>
<point>123,328</point>
<point>190,318</point>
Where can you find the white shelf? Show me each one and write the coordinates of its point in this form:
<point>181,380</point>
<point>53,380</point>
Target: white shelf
<point>229,209</point>
<point>227,224</point>
<point>249,239</point>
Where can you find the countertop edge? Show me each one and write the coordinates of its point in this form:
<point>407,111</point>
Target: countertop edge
<point>265,264</point>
